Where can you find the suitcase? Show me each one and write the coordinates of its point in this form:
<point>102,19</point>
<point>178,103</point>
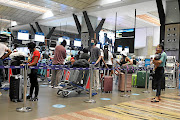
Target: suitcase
<point>108,84</point>
<point>141,79</point>
<point>73,75</point>
<point>134,80</point>
<point>121,82</point>
<point>16,89</point>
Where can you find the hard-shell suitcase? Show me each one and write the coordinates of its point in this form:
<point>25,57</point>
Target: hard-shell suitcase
<point>134,80</point>
<point>121,82</point>
<point>16,89</point>
<point>108,84</point>
<point>141,79</point>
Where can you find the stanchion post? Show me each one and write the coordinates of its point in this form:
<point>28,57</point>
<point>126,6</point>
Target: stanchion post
<point>146,88</point>
<point>125,85</point>
<point>24,108</point>
<point>90,100</point>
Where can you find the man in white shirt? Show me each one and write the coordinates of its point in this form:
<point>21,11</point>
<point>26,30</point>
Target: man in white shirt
<point>3,49</point>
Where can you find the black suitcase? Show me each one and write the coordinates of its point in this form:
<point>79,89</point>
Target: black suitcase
<point>16,89</point>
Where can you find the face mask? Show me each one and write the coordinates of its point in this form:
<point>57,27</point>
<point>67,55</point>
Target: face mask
<point>92,44</point>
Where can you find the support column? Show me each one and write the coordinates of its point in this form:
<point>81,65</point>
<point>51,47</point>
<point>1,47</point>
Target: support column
<point>172,29</point>
<point>87,29</point>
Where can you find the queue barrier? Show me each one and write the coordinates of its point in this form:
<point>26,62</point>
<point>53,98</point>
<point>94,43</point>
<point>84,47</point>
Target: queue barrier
<point>60,67</point>
<point>65,67</point>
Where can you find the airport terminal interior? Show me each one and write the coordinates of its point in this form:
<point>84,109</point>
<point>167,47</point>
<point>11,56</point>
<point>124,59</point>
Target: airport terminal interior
<point>89,59</point>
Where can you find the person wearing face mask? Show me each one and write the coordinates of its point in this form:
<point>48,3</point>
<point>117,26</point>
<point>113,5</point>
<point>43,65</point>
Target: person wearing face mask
<point>159,72</point>
<point>95,57</point>
<point>33,75</point>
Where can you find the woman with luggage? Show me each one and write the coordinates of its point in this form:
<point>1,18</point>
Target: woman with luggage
<point>33,75</point>
<point>107,58</point>
<point>125,60</point>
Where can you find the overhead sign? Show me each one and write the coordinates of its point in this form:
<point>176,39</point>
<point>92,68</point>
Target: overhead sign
<point>23,31</point>
<point>39,33</point>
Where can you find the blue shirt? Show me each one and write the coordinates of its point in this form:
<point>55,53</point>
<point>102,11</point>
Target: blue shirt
<point>163,59</point>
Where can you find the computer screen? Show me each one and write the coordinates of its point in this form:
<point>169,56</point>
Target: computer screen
<point>23,36</point>
<point>119,49</point>
<point>77,43</point>
<point>39,38</point>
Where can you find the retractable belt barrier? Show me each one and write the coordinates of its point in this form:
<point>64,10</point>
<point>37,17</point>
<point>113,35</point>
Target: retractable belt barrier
<point>65,67</point>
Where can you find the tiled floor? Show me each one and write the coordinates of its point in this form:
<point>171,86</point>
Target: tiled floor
<point>135,107</point>
<point>167,109</point>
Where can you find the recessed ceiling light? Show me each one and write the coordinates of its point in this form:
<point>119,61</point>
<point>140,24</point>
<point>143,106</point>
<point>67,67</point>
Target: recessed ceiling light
<point>56,3</point>
<point>175,8</point>
<point>72,8</point>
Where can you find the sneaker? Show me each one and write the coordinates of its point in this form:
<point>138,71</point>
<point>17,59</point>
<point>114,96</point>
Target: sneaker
<point>34,99</point>
<point>28,97</point>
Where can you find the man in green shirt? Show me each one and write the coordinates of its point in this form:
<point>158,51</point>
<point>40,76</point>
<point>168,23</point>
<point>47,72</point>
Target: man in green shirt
<point>159,71</point>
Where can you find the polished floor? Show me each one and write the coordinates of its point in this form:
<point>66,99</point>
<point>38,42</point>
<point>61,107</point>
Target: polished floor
<point>167,109</point>
<point>137,106</point>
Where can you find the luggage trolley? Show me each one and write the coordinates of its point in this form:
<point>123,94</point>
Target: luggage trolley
<point>75,79</point>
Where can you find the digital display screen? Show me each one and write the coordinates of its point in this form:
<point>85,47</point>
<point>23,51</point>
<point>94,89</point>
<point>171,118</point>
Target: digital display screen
<point>23,36</point>
<point>39,38</point>
<point>77,43</point>
<point>68,42</point>
<point>119,49</point>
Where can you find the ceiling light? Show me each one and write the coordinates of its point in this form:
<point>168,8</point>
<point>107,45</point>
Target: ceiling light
<point>24,5</point>
<point>47,15</point>
<point>72,8</point>
<point>149,19</point>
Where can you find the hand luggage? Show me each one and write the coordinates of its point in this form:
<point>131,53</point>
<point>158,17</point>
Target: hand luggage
<point>141,79</point>
<point>121,82</point>
<point>134,80</point>
<point>16,89</point>
<point>108,83</point>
